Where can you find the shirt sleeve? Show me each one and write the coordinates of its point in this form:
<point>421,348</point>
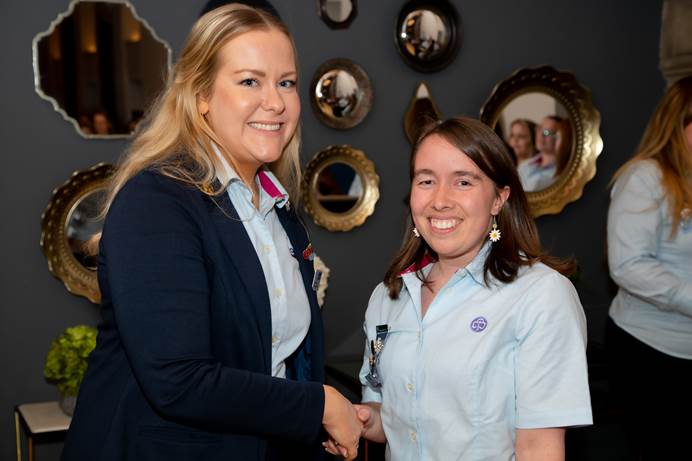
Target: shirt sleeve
<point>635,220</point>
<point>552,388</point>
<point>370,393</point>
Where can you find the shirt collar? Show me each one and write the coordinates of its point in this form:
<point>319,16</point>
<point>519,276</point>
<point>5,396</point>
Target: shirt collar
<point>475,268</point>
<point>267,180</point>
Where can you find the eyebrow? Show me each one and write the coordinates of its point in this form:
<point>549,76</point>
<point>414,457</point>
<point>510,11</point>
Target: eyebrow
<point>426,171</point>
<point>263,74</point>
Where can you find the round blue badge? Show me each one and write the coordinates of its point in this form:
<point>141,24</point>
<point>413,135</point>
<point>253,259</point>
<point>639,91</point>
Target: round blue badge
<point>478,324</point>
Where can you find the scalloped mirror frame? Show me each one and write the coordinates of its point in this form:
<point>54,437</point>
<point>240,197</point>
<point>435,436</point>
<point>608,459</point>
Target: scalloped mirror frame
<point>62,263</point>
<point>49,31</point>
<point>365,205</point>
<point>586,120</point>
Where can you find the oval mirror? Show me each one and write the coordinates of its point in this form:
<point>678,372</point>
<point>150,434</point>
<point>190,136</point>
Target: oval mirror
<point>101,66</point>
<point>340,188</point>
<point>68,223</point>
<point>337,14</point>
<point>427,34</point>
<point>341,93</point>
<point>549,123</point>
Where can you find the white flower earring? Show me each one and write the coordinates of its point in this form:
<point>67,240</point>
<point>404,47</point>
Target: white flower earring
<point>416,233</point>
<point>494,234</point>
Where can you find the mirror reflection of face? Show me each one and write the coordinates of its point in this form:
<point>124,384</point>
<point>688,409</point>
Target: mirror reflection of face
<point>339,187</point>
<point>520,141</point>
<point>452,201</point>
<point>548,136</point>
<point>254,107</point>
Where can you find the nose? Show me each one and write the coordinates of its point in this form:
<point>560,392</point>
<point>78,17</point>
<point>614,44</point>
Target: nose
<point>441,199</point>
<point>272,100</point>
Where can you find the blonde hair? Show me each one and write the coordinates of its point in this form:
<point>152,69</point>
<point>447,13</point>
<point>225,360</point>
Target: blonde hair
<point>664,141</point>
<point>176,138</point>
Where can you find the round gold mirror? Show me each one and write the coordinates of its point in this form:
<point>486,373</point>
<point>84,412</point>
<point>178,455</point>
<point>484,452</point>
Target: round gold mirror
<point>341,93</point>
<point>549,123</point>
<point>100,65</point>
<point>70,220</point>
<point>340,188</point>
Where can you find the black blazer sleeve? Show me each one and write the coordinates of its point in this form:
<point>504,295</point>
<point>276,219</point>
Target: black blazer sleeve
<point>160,276</point>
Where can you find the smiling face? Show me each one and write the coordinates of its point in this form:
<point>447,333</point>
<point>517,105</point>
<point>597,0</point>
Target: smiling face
<point>253,107</point>
<point>520,141</point>
<point>452,201</point>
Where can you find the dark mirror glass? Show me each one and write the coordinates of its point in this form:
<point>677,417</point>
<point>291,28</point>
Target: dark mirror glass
<point>102,67</point>
<point>339,187</point>
<point>337,13</point>
<point>426,34</point>
<point>83,222</point>
<point>338,94</point>
<point>538,130</point>
<point>341,93</point>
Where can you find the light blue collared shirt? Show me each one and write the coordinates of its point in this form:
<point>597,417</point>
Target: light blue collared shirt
<point>290,308</point>
<point>483,362</point>
<point>652,269</point>
<point>534,176</point>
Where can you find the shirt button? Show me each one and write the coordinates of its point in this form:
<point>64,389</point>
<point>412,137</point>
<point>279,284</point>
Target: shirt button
<point>418,334</point>
<point>275,339</point>
<point>267,249</point>
<point>410,387</point>
<point>278,292</point>
<point>413,435</point>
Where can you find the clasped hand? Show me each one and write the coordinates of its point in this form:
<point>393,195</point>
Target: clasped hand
<point>346,423</point>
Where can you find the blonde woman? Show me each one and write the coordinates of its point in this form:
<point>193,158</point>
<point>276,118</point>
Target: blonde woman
<point>211,344</point>
<point>649,333</point>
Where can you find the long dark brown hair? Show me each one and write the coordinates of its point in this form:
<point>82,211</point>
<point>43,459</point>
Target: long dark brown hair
<point>519,245</point>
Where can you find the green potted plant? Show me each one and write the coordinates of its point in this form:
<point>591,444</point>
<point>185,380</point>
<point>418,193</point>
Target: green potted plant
<point>67,361</point>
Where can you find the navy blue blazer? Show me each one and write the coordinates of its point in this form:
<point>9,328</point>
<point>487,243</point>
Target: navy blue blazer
<point>182,365</point>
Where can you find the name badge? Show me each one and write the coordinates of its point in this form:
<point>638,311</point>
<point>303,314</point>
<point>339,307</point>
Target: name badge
<point>376,346</point>
<point>316,280</point>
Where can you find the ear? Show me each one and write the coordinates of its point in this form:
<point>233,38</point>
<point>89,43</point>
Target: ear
<point>202,104</point>
<point>500,199</point>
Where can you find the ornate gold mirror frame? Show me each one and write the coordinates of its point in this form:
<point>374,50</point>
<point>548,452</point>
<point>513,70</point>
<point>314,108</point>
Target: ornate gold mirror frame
<point>369,188</point>
<point>585,120</point>
<point>62,263</point>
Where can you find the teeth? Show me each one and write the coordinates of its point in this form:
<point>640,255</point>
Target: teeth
<point>443,223</point>
<point>265,126</point>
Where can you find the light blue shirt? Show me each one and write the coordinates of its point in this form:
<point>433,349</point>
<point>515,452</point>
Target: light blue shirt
<point>652,268</point>
<point>483,362</point>
<point>535,176</point>
<point>290,308</point>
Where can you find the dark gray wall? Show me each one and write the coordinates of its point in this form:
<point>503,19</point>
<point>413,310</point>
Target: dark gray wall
<point>612,47</point>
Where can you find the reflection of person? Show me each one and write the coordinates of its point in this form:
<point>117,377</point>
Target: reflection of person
<point>475,342</point>
<point>649,334</point>
<point>84,122</point>
<point>540,171</point>
<point>211,344</point>
<point>101,123</point>
<point>522,139</point>
<point>563,145</point>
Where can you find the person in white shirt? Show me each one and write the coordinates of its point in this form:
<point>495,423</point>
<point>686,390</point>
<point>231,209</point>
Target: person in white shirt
<point>649,334</point>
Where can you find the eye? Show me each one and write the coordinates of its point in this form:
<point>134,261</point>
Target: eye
<point>463,183</point>
<point>424,182</point>
<point>249,82</point>
<point>287,83</point>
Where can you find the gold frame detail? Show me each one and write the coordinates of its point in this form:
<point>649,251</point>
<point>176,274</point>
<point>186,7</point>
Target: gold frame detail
<point>363,208</point>
<point>586,120</point>
<point>61,262</point>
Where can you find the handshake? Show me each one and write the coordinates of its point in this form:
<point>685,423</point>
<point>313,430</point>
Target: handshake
<point>346,423</point>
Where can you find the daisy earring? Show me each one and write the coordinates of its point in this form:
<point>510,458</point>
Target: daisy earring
<point>494,234</point>
<point>416,233</point>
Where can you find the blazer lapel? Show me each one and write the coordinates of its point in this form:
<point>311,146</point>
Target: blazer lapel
<point>243,256</point>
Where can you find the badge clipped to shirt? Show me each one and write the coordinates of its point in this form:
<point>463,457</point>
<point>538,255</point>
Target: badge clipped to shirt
<point>316,280</point>
<point>376,346</point>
